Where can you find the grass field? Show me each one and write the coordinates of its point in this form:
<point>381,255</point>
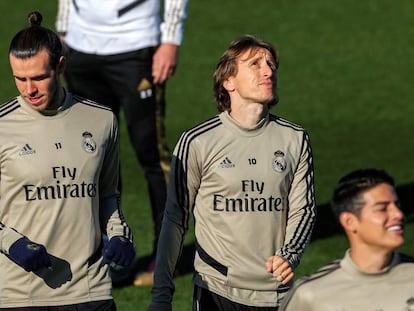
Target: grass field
<point>346,74</point>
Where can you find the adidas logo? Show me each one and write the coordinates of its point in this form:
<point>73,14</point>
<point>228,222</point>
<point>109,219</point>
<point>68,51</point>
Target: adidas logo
<point>226,163</point>
<point>26,150</point>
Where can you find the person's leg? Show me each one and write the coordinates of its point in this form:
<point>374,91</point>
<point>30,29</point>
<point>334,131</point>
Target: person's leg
<point>165,154</point>
<point>131,77</point>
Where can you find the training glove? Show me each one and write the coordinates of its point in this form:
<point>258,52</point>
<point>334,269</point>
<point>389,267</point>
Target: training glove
<point>119,251</point>
<point>29,255</point>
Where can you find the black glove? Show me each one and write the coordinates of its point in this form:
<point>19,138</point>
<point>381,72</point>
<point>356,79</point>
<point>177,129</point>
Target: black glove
<point>119,251</point>
<point>29,255</point>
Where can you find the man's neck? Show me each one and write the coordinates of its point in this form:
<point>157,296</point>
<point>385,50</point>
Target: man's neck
<point>57,102</point>
<point>371,261</point>
<point>248,116</point>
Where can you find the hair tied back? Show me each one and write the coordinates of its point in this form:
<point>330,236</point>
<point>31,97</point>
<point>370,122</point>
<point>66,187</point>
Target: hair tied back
<point>35,18</point>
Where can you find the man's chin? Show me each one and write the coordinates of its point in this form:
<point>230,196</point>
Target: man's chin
<point>38,106</point>
<point>272,101</point>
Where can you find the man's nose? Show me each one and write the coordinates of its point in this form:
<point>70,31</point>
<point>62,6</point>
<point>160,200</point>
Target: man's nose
<point>30,87</point>
<point>397,212</point>
<point>267,70</point>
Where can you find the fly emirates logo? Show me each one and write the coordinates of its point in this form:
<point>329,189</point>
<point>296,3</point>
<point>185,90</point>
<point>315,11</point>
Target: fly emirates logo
<point>252,199</point>
<point>64,186</point>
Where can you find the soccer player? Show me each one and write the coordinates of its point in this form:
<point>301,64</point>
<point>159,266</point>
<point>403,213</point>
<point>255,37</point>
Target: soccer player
<point>58,187</point>
<point>120,54</point>
<point>247,177</point>
<point>372,275</point>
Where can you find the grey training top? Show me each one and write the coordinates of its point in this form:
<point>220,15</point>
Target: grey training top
<point>342,286</point>
<point>251,192</point>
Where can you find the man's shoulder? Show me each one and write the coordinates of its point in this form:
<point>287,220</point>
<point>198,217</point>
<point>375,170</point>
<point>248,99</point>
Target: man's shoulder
<point>9,106</point>
<point>90,103</point>
<point>203,127</point>
<point>320,274</point>
<point>404,258</point>
<point>314,285</point>
<point>279,121</point>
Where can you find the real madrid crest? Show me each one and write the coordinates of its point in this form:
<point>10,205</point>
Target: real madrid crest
<point>279,162</point>
<point>88,144</point>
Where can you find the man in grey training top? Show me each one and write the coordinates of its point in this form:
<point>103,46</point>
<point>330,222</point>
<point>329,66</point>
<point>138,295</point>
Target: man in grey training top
<point>58,187</point>
<point>247,177</point>
<point>372,275</point>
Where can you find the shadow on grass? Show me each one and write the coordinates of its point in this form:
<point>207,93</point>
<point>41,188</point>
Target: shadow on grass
<point>325,226</point>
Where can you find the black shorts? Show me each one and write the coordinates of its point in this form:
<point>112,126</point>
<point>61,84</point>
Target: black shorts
<point>204,300</point>
<point>104,305</point>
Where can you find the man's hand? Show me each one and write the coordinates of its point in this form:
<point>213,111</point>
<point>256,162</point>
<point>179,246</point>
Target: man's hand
<point>280,268</point>
<point>119,251</point>
<point>164,62</point>
<point>29,255</point>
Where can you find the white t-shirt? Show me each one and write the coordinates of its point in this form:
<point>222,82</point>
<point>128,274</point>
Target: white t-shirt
<point>118,26</point>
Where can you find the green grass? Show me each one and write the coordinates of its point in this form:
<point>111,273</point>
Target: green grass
<point>346,75</point>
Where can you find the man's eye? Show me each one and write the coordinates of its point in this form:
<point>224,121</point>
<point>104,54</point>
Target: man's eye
<point>381,209</point>
<point>40,78</point>
<point>271,65</point>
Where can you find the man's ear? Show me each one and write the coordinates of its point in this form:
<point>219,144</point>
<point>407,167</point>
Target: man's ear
<point>348,221</point>
<point>60,68</point>
<point>228,84</point>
